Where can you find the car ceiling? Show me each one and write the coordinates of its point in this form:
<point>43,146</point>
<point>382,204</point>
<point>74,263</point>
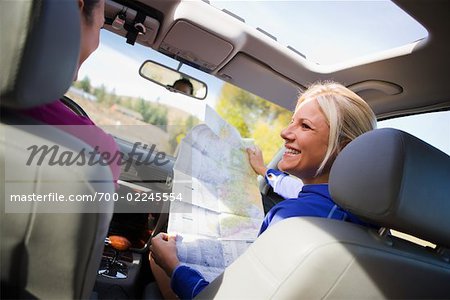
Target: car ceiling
<point>229,49</point>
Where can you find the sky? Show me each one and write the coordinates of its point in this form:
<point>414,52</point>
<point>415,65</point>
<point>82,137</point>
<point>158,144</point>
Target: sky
<point>110,67</point>
<point>372,25</point>
<point>308,35</point>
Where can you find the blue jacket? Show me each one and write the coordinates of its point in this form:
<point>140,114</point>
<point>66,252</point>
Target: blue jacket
<point>314,200</point>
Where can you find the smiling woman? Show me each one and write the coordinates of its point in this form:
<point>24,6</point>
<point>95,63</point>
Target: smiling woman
<point>327,117</point>
<point>306,143</point>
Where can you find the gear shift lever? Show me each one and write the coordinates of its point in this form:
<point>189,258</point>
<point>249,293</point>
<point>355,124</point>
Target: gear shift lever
<point>118,242</point>
<point>112,267</point>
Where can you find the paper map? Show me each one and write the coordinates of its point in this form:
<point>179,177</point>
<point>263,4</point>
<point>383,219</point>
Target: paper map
<point>223,213</point>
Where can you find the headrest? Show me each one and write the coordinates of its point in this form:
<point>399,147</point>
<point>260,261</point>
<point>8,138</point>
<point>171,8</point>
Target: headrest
<point>391,178</point>
<point>40,48</point>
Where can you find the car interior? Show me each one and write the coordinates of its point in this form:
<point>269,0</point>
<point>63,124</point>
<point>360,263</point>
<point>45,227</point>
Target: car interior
<point>322,258</point>
<point>46,255</point>
<point>387,177</point>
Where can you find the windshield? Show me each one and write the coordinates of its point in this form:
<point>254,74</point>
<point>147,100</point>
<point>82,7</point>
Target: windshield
<point>134,109</point>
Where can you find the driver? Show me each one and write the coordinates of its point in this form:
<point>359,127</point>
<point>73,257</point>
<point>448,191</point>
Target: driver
<point>184,85</point>
<point>57,113</point>
<point>327,117</point>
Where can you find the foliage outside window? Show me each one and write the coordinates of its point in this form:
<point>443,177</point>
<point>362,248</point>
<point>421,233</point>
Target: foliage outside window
<point>253,116</point>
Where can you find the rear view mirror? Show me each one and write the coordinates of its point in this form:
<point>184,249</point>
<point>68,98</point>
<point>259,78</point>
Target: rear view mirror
<point>173,80</point>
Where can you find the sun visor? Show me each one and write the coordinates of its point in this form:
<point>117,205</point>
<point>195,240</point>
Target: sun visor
<point>186,42</point>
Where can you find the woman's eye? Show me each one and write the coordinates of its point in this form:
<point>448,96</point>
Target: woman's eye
<point>304,125</point>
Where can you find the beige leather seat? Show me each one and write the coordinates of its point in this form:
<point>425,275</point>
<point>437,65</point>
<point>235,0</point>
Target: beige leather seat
<point>386,177</point>
<point>45,254</point>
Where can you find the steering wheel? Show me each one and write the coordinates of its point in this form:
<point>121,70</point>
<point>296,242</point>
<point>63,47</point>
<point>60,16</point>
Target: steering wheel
<point>74,106</point>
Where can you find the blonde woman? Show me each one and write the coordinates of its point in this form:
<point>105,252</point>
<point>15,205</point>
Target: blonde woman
<point>327,117</point>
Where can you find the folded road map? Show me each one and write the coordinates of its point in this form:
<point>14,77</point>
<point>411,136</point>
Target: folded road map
<point>221,209</point>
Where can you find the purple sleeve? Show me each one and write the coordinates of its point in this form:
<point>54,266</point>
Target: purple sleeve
<point>58,114</point>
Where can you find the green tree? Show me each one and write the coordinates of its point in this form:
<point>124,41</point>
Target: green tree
<point>85,84</point>
<point>142,108</point>
<point>156,114</point>
<point>254,117</point>
<point>100,93</point>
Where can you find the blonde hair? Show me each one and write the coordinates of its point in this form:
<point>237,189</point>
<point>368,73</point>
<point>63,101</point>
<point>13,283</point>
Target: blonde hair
<point>347,115</point>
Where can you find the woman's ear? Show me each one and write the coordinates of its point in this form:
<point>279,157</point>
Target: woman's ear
<point>81,4</point>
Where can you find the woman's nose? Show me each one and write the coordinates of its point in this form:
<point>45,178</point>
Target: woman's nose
<point>286,133</point>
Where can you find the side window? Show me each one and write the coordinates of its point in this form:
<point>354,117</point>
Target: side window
<point>433,128</point>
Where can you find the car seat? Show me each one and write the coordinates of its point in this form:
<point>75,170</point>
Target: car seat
<point>46,252</point>
<point>386,177</point>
